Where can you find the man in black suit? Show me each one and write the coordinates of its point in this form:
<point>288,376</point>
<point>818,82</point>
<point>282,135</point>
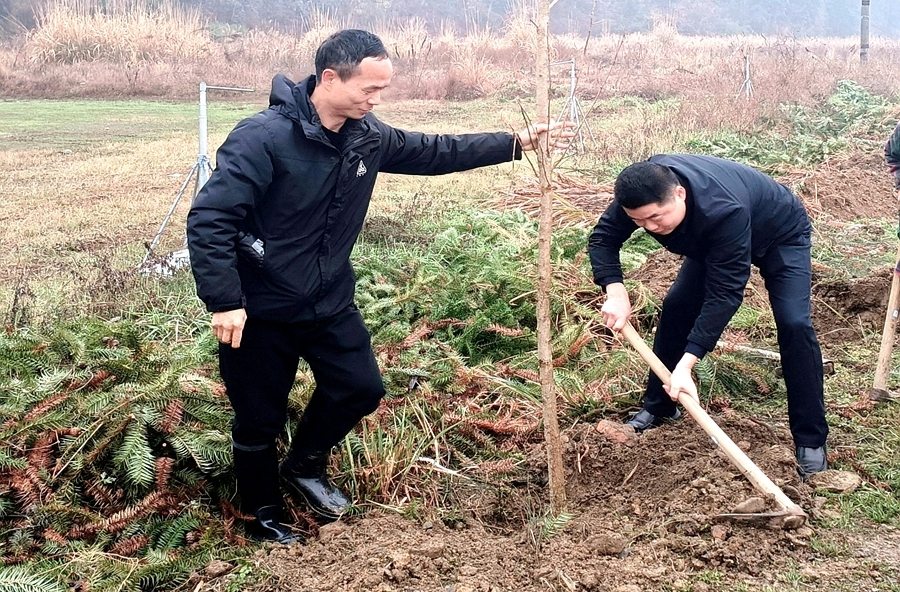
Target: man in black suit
<point>723,217</point>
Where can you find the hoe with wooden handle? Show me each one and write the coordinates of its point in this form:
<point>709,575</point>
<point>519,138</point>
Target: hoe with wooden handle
<point>879,391</point>
<point>789,515</point>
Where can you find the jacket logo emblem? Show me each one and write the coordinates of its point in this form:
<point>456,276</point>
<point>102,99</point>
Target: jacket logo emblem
<point>362,170</point>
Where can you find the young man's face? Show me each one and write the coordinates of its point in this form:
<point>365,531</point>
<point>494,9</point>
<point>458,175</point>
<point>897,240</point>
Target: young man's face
<point>662,217</point>
<point>356,96</point>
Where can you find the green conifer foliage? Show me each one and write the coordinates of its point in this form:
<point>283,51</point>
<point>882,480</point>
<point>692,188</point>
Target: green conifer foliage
<point>107,442</point>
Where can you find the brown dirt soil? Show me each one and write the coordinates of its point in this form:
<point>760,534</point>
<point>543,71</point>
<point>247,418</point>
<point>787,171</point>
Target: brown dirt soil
<point>843,189</point>
<point>850,187</point>
<point>844,310</point>
<point>643,517</point>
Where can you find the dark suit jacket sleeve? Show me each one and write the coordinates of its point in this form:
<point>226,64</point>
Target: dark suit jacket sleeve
<point>605,242</point>
<point>727,272</point>
<point>892,155</point>
<point>243,172</point>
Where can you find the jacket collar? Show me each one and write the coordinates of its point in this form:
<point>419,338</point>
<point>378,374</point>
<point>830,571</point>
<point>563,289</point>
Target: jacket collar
<point>293,101</point>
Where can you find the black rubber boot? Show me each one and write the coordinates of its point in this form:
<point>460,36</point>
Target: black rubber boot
<point>268,526</point>
<point>257,485</point>
<point>306,474</point>
<point>256,471</point>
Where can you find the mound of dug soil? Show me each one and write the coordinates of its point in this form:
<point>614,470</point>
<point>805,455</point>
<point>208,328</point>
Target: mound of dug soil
<point>850,187</point>
<point>844,310</point>
<point>643,517</point>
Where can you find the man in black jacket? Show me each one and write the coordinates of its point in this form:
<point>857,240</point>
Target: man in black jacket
<point>270,236</point>
<point>723,217</point>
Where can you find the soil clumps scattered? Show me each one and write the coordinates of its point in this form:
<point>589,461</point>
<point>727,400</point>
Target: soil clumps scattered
<point>644,516</point>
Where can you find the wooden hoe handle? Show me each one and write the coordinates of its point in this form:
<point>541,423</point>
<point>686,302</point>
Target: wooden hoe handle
<point>795,514</point>
<point>879,387</point>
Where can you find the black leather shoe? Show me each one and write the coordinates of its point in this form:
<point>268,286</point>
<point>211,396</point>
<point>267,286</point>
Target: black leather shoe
<point>268,527</point>
<point>644,420</point>
<point>311,481</point>
<point>811,460</point>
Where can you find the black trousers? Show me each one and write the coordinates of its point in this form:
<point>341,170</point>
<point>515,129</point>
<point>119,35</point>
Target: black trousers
<point>260,374</point>
<point>787,272</point>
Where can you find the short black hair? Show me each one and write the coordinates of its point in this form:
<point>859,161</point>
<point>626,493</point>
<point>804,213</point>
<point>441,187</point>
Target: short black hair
<point>343,51</point>
<point>644,183</point>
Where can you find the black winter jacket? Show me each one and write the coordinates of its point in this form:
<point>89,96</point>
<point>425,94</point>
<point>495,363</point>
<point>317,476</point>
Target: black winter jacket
<point>734,214</point>
<point>892,155</point>
<point>279,179</point>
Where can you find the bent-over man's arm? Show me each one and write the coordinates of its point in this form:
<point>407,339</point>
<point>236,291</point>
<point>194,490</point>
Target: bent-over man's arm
<point>604,245</point>
<point>727,273</point>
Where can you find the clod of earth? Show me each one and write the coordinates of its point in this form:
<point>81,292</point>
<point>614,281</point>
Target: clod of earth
<point>753,505</point>
<point>616,432</point>
<point>835,481</point>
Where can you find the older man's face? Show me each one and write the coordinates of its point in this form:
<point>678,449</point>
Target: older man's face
<point>359,94</point>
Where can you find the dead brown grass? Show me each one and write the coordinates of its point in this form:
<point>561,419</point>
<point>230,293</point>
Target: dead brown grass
<point>136,50</point>
<point>72,31</point>
<point>103,186</point>
<point>75,216</point>
<point>576,202</point>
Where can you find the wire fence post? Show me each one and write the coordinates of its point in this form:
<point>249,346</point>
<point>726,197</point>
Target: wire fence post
<point>199,173</point>
<point>747,84</point>
<point>864,32</point>
<point>572,110</point>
